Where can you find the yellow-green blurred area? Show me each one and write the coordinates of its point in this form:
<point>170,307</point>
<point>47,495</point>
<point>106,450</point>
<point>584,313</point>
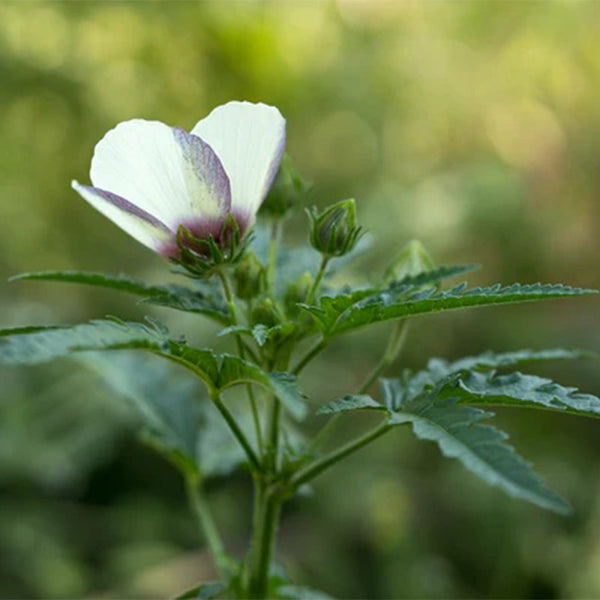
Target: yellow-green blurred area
<point>473,126</point>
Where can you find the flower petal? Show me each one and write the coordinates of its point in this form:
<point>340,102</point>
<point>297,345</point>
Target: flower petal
<point>139,224</point>
<point>249,140</point>
<point>163,170</point>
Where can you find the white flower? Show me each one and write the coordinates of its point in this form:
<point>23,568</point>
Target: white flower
<point>150,178</point>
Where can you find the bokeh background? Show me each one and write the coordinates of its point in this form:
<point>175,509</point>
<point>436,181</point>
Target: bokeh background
<point>473,126</point>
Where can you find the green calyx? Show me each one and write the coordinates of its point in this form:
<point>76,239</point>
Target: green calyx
<point>201,257</point>
<point>334,232</point>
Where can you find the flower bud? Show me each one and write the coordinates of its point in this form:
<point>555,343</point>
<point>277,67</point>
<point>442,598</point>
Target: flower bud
<point>266,313</point>
<point>334,231</point>
<point>287,191</point>
<point>249,277</point>
<point>413,259</point>
<point>297,293</point>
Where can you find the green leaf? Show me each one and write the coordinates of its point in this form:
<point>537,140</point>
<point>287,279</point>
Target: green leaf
<point>438,369</point>
<point>343,313</point>
<point>261,333</point>
<point>432,276</point>
<point>349,403</point>
<point>218,371</point>
<point>517,389</point>
<point>206,299</point>
<point>205,591</point>
<point>480,448</point>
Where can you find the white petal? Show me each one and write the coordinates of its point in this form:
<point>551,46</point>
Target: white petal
<point>163,170</point>
<point>139,224</point>
<point>249,140</point>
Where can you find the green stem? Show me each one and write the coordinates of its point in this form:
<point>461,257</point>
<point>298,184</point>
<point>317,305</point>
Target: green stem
<point>241,352</point>
<point>308,473</point>
<point>264,544</point>
<point>394,345</point>
<point>391,352</point>
<point>207,524</point>
<point>236,430</point>
<point>312,353</point>
<point>272,255</point>
<point>273,451</point>
<point>315,286</point>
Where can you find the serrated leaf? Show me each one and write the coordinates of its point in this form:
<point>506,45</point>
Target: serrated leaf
<point>341,314</point>
<point>218,371</point>
<point>439,369</point>
<point>349,403</point>
<point>480,448</point>
<point>518,389</point>
<point>432,276</point>
<point>260,332</point>
<point>206,299</point>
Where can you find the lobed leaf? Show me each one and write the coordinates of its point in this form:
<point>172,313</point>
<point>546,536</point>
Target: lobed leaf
<point>206,299</point>
<point>218,371</point>
<point>343,313</point>
<point>517,389</point>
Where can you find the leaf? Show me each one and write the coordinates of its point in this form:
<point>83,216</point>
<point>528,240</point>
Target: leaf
<point>432,276</point>
<point>207,299</point>
<point>261,333</point>
<point>218,371</point>
<point>205,591</point>
<point>480,448</point>
<point>344,313</point>
<point>438,369</point>
<point>517,389</point>
<point>349,403</point>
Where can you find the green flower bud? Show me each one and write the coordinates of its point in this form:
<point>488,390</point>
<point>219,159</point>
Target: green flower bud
<point>249,277</point>
<point>266,313</point>
<point>297,293</point>
<point>334,231</point>
<point>288,190</point>
<point>413,259</point>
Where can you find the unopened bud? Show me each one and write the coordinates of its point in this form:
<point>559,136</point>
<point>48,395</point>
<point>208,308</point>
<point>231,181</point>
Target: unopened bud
<point>413,259</point>
<point>287,191</point>
<point>249,277</point>
<point>334,232</point>
<point>297,293</point>
<point>266,313</point>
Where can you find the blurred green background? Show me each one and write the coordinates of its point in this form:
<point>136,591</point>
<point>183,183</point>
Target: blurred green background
<point>471,125</point>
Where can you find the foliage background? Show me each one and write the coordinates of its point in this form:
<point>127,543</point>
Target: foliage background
<point>472,126</point>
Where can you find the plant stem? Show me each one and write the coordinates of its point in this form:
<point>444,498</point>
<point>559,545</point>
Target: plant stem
<point>207,524</point>
<point>312,353</point>
<point>236,430</point>
<point>241,352</point>
<point>263,544</point>
<point>321,464</point>
<point>393,347</point>
<point>272,255</point>
<point>273,449</point>
<point>315,286</point>
<point>394,344</point>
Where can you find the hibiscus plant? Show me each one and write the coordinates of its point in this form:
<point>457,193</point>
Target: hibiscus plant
<point>194,198</point>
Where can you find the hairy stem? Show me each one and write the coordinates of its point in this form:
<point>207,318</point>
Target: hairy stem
<point>241,351</point>
<point>312,353</point>
<point>264,544</point>
<point>236,430</point>
<point>317,467</point>
<point>315,286</point>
